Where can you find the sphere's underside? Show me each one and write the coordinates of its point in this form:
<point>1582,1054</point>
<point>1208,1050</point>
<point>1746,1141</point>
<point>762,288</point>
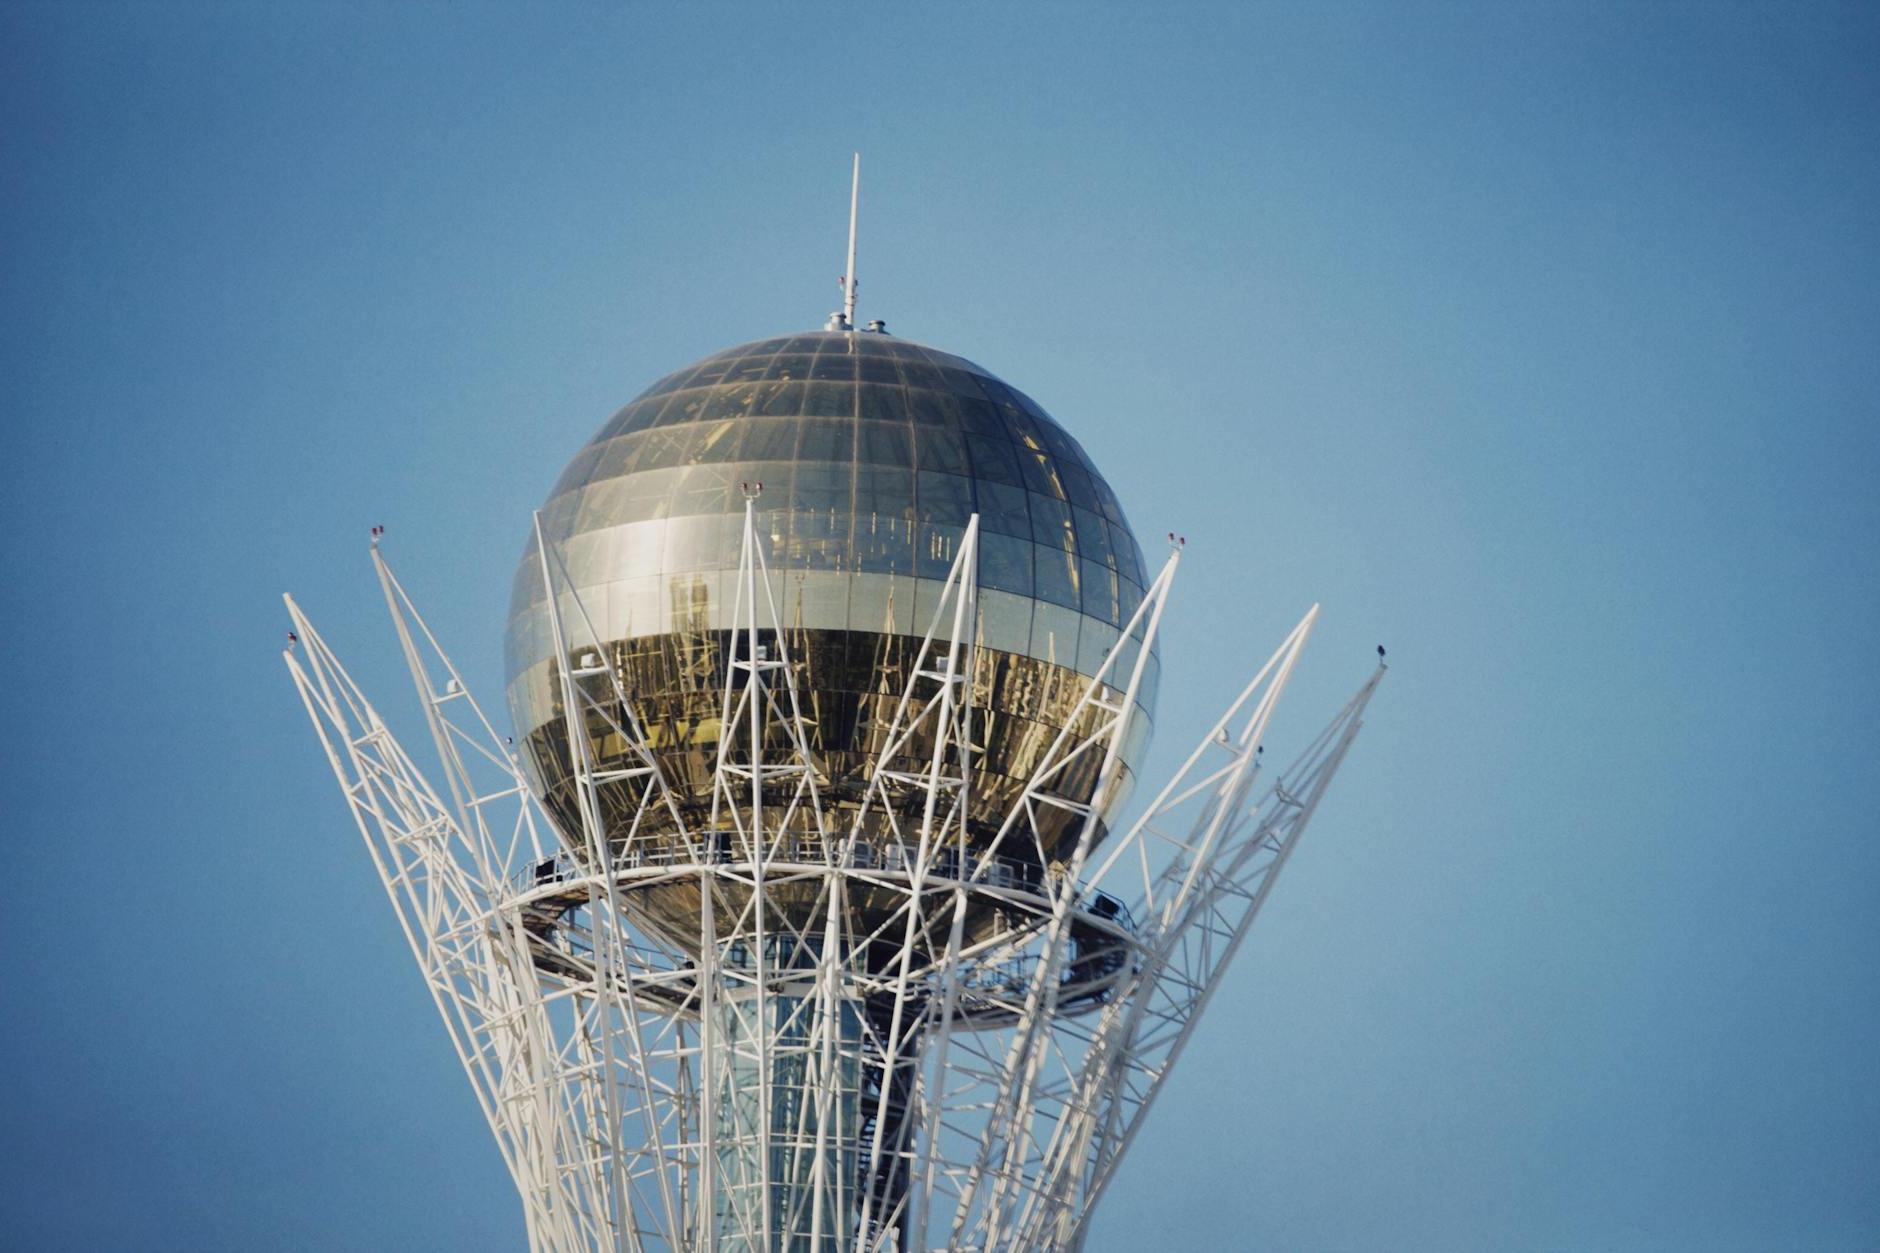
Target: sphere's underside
<point>873,453</point>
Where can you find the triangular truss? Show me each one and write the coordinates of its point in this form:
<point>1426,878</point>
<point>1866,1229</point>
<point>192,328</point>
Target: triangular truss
<point>800,1073</point>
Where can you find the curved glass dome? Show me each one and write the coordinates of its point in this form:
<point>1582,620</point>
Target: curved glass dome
<point>873,452</point>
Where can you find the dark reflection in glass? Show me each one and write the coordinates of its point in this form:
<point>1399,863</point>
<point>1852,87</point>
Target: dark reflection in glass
<point>829,400</point>
<point>1051,523</point>
<point>994,459</point>
<point>1004,562</point>
<point>789,366</point>
<point>931,408</point>
<point>1003,508</point>
<point>1103,591</point>
<point>944,498</point>
<point>1041,474</point>
<point>1093,537</point>
<point>883,402</point>
<point>1076,483</point>
<point>940,449</point>
<point>878,370</point>
<point>826,440</point>
<point>833,367</point>
<point>1128,556</point>
<point>880,443</point>
<point>1055,577</point>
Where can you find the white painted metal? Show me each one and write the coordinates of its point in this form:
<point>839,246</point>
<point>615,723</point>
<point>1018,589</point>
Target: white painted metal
<point>848,275</point>
<point>754,1085</point>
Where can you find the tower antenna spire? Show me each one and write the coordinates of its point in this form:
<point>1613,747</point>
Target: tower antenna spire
<point>848,282</point>
<point>845,321</point>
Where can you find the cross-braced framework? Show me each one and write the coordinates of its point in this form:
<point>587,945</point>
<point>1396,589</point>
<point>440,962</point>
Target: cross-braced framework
<point>801,1073</point>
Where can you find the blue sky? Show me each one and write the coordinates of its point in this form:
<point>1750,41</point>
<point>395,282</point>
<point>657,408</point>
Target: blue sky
<point>1536,342</point>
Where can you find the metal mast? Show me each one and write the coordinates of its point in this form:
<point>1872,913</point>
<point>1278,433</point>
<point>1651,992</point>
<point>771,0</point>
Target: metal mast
<point>845,320</point>
<point>769,1081</point>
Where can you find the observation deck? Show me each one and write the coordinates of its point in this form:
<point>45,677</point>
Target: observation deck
<point>995,971</point>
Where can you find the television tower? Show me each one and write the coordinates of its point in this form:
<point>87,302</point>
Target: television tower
<point>800,914</point>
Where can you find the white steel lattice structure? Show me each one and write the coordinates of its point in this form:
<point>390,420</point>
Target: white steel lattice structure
<point>772,1081</point>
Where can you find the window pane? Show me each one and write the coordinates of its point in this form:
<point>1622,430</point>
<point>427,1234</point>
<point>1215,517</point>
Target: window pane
<point>1129,595</point>
<point>1005,563</point>
<point>702,489</point>
<point>834,367</point>
<point>878,370</point>
<point>789,366</point>
<point>1058,440</point>
<point>883,443</point>
<point>748,368</point>
<point>1006,620</point>
<point>1051,523</point>
<point>717,441</point>
<point>670,446</point>
<point>938,546</point>
<point>768,439</point>
<point>1056,577</point>
<point>979,417</point>
<point>822,599</point>
<point>941,449</point>
<point>702,542</point>
<point>734,401</point>
<point>577,472</point>
<point>1094,642</point>
<point>879,604</point>
<point>886,402</point>
<point>819,538</point>
<point>918,373</point>
<point>826,440</point>
<point>829,400</point>
<point>1076,483</point>
<point>1128,555</point>
<point>774,478</point>
<point>1003,508</point>
<point>960,383</point>
<point>685,406</point>
<point>640,414</point>
<point>1093,536</point>
<point>1054,634</point>
<point>931,408</point>
<point>945,498</point>
<point>1040,474</point>
<point>616,457</point>
<point>1103,595</point>
<point>994,458</point>
<point>596,506</point>
<point>822,486</point>
<point>884,544</point>
<point>781,399</point>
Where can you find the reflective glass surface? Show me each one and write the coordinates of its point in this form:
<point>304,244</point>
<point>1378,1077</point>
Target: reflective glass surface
<point>873,452</point>
<point>869,448</point>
